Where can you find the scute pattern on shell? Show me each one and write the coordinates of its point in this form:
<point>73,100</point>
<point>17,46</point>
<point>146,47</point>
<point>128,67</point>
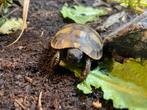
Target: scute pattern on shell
<point>79,36</point>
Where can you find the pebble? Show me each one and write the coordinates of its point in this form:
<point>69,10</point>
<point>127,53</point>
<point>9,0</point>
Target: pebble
<point>1,82</point>
<point>28,89</point>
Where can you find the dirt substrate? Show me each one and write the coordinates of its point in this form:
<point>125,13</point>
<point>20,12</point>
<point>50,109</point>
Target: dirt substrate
<point>24,67</point>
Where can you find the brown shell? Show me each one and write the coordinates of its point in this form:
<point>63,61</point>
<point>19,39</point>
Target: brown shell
<point>79,36</point>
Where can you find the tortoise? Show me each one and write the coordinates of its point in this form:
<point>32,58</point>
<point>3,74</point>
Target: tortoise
<point>76,43</point>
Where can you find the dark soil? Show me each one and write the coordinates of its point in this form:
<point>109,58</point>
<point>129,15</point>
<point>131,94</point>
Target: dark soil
<point>25,72</point>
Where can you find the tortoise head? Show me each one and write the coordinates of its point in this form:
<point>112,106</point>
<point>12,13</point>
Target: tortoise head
<point>74,56</point>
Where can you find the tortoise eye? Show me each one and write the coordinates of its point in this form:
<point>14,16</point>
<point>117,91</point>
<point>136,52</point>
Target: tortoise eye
<point>70,56</point>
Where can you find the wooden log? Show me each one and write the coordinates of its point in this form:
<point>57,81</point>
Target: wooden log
<point>131,45</point>
<point>130,40</point>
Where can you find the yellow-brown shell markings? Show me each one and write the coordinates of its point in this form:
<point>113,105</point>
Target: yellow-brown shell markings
<point>79,36</point>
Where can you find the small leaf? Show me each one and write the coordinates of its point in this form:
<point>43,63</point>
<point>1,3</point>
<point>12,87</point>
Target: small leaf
<point>81,14</point>
<point>2,21</point>
<point>133,3</point>
<point>5,4</point>
<point>11,25</point>
<point>77,71</point>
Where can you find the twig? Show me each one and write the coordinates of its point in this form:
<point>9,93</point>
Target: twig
<point>125,28</point>
<point>20,104</point>
<point>39,101</point>
<point>42,33</point>
<point>11,12</point>
<point>76,2</point>
<point>30,80</point>
<point>25,15</point>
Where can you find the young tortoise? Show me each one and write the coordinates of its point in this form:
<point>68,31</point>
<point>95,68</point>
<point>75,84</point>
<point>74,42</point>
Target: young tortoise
<point>75,44</point>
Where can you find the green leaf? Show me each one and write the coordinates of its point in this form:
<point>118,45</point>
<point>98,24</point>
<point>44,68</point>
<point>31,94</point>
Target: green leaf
<point>125,94</point>
<point>81,14</point>
<point>5,5</point>
<point>132,70</point>
<point>75,70</point>
<point>2,21</point>
<point>85,87</point>
<point>125,84</point>
<point>133,3</point>
<point>11,25</point>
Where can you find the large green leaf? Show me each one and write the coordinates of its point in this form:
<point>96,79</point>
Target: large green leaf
<point>125,84</point>
<point>81,14</point>
<point>132,70</point>
<point>123,94</point>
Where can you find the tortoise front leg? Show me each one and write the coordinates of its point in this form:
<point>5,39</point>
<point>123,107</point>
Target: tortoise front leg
<point>55,60</point>
<point>86,69</point>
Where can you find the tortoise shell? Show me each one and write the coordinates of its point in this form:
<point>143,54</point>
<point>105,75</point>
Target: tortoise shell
<point>79,36</point>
